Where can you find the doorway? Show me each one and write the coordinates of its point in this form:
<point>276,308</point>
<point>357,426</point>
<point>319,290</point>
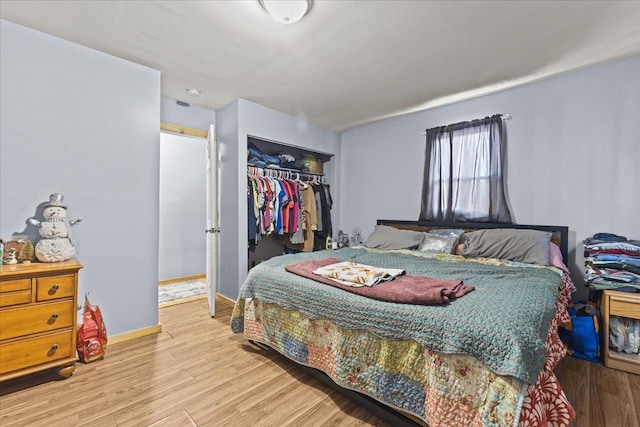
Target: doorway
<point>182,242</point>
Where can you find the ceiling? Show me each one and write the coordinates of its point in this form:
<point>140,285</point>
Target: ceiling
<point>346,63</point>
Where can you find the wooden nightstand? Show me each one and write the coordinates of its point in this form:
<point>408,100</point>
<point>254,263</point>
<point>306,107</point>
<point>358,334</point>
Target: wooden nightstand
<point>38,318</point>
<point>625,305</point>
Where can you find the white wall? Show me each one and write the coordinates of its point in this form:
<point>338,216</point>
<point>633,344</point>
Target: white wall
<point>183,206</point>
<point>573,156</point>
<point>234,123</point>
<point>85,124</point>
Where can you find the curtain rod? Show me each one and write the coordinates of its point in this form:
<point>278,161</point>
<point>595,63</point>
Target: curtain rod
<point>505,116</point>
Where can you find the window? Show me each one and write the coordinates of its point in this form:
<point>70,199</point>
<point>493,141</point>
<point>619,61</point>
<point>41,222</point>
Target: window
<point>463,173</point>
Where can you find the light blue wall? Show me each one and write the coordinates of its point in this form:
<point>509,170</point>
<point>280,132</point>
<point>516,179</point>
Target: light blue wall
<point>191,116</point>
<point>230,246</point>
<point>85,124</point>
<point>234,123</point>
<point>183,206</point>
<point>573,156</point>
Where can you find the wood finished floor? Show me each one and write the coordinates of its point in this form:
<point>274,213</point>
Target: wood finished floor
<point>197,373</point>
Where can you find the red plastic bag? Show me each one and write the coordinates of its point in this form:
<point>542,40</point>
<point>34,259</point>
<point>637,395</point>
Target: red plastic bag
<point>91,340</point>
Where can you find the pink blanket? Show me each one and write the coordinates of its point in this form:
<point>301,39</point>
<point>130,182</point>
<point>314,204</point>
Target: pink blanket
<point>405,289</point>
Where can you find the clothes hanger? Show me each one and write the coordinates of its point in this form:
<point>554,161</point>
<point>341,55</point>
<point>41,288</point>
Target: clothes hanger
<point>300,183</point>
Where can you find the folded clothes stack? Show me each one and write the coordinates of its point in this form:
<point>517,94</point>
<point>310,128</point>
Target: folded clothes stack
<point>624,334</point>
<point>612,262</point>
<point>257,158</point>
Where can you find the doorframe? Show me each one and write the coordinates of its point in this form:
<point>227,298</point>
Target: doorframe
<point>192,133</point>
<point>213,218</point>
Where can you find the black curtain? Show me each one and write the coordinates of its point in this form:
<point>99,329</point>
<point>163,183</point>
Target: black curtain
<point>464,172</point>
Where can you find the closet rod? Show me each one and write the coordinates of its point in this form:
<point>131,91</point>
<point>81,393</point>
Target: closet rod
<point>284,173</point>
<point>284,170</point>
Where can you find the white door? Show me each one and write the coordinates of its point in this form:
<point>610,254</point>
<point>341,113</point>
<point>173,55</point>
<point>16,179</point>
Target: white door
<point>212,229</point>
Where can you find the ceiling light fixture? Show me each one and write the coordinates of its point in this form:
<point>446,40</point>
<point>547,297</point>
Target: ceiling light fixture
<point>286,11</point>
<point>193,92</point>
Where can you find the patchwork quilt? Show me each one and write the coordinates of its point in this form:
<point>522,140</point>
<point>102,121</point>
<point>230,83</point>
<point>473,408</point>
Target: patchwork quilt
<point>438,378</point>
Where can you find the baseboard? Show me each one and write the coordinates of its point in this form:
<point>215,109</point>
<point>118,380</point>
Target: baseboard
<point>225,300</point>
<point>182,279</point>
<point>127,336</point>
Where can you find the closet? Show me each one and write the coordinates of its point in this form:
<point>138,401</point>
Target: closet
<point>289,200</point>
<point>270,130</point>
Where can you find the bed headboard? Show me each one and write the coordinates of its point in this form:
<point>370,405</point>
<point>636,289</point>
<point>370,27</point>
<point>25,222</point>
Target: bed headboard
<point>559,236</point>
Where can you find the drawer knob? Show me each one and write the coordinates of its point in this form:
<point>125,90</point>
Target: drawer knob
<point>55,315</point>
<point>54,347</point>
<point>55,287</point>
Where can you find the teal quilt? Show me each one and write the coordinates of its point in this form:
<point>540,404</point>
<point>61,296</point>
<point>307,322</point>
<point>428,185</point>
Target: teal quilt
<point>503,322</point>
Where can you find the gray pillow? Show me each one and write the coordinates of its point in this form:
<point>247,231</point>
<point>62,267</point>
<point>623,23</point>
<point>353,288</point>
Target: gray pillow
<point>385,237</point>
<point>531,246</point>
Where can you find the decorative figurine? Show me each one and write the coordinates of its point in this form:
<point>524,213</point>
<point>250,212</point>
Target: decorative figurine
<point>356,236</point>
<point>343,239</point>
<point>56,243</point>
<point>10,258</point>
<point>26,253</point>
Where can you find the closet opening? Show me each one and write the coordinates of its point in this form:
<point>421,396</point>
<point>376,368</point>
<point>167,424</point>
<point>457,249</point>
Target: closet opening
<point>289,200</point>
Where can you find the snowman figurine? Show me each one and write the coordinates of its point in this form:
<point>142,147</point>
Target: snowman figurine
<point>56,243</point>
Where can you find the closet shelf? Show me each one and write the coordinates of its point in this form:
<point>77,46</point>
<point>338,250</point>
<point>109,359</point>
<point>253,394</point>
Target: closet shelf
<point>272,147</point>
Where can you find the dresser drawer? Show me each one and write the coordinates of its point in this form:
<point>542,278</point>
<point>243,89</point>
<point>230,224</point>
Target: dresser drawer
<point>38,318</point>
<point>54,287</point>
<point>15,298</point>
<point>15,285</point>
<point>624,307</point>
<point>36,351</point>
<point>16,322</point>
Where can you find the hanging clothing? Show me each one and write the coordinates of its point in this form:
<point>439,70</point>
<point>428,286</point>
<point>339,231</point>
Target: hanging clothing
<point>309,221</point>
<point>324,203</point>
<point>300,212</point>
<point>252,224</point>
<point>275,204</point>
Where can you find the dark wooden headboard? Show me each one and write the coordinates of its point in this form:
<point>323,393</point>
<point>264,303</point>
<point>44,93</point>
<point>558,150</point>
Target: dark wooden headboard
<point>559,236</point>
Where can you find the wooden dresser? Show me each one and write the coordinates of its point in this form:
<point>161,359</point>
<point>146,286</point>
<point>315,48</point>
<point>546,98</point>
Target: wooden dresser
<point>625,305</point>
<point>38,318</point>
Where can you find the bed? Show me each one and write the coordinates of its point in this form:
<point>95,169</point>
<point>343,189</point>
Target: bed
<point>484,358</point>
